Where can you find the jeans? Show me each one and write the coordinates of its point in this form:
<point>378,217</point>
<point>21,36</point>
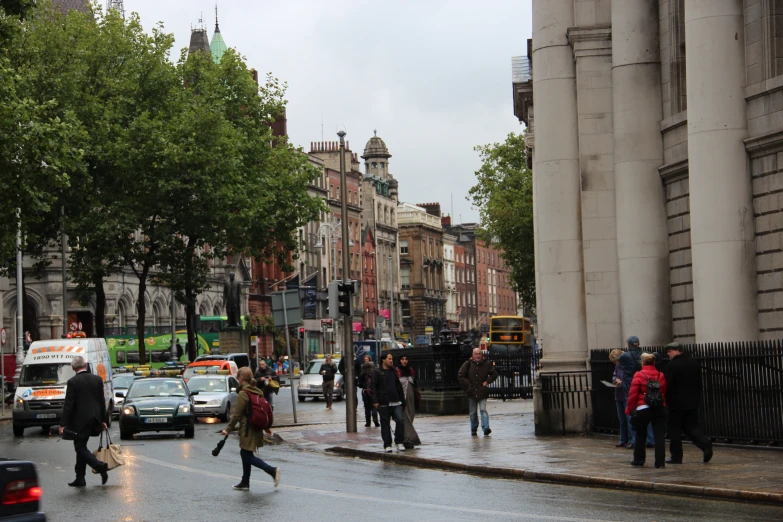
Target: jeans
<point>250,459</point>
<point>387,413</point>
<point>480,404</point>
<point>328,391</point>
<point>655,417</point>
<point>270,396</point>
<point>685,421</point>
<point>83,458</point>
<point>624,426</point>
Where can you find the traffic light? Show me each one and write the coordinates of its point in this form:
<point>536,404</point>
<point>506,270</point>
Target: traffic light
<point>301,333</point>
<point>346,297</point>
<point>333,302</point>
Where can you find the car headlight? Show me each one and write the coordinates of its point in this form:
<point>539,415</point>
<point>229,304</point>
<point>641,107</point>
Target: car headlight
<point>214,402</point>
<point>303,385</point>
<point>337,385</point>
<point>183,408</point>
<point>19,404</point>
<point>129,410</point>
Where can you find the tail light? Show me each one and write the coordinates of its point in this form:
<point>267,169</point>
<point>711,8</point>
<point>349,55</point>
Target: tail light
<point>22,492</point>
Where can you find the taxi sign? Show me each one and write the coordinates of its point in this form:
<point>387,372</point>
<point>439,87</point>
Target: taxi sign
<point>158,373</point>
<point>211,371</point>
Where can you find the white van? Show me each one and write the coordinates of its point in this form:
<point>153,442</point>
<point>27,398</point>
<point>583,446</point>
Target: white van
<point>40,392</point>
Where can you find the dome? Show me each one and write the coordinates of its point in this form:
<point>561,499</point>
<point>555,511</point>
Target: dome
<point>376,148</point>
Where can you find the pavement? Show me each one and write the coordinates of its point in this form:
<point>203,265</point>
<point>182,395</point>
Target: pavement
<point>513,451</point>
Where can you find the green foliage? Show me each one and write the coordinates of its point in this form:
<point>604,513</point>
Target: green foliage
<point>504,197</point>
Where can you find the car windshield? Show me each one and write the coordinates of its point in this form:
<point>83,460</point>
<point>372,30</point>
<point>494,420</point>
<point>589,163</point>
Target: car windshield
<point>157,388</point>
<point>207,384</point>
<point>123,382</point>
<point>45,374</point>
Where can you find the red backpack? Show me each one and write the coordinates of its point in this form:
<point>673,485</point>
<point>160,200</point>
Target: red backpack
<point>259,412</point>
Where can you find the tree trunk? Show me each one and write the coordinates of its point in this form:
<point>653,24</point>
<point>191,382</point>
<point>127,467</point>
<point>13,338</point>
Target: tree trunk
<point>141,308</point>
<point>100,306</point>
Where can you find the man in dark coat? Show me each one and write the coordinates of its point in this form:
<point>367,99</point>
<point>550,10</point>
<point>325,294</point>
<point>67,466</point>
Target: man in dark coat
<point>387,395</point>
<point>631,362</point>
<point>474,376</point>
<point>84,415</point>
<point>683,394</point>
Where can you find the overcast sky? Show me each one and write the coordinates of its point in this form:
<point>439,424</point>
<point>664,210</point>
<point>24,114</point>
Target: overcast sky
<point>432,76</point>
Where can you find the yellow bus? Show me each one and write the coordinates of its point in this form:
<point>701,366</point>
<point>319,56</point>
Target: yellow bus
<point>512,330</point>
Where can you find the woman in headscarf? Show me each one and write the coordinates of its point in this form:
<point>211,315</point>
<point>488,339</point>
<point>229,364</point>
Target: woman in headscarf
<point>408,381</point>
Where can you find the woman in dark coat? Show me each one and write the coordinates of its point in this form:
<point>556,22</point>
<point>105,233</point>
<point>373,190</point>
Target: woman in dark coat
<point>408,381</point>
<point>250,439</point>
<point>364,385</point>
<point>646,414</point>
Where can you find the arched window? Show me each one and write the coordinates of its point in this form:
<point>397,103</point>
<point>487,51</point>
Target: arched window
<point>156,315</point>
<point>121,314</point>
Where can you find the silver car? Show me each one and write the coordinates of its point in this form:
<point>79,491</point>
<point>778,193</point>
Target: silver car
<point>311,382</point>
<point>121,382</point>
<point>217,395</point>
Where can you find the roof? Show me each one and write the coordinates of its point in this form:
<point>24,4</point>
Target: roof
<point>199,41</point>
<point>218,46</point>
<point>376,148</point>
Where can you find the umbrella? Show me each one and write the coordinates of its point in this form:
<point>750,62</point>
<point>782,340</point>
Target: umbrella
<point>220,444</point>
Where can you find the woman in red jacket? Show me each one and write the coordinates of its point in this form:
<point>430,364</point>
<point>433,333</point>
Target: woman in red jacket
<point>648,413</point>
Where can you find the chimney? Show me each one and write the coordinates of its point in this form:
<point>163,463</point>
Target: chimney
<point>445,221</point>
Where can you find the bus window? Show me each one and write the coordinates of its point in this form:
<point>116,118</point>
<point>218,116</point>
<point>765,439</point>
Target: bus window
<point>120,356</point>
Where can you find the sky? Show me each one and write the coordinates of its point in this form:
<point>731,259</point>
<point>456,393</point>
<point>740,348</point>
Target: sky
<point>433,77</point>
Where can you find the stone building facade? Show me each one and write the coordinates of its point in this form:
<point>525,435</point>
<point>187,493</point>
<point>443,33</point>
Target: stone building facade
<point>655,134</point>
<point>450,280</point>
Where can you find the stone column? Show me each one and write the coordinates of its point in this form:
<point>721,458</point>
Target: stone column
<point>642,235</point>
<point>722,235</point>
<point>557,189</point>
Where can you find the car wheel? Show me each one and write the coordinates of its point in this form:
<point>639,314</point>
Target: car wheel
<point>126,435</point>
<point>301,399</point>
<point>190,432</point>
<point>18,431</point>
<point>226,415</point>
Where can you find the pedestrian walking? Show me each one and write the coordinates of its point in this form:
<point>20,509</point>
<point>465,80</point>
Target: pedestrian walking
<point>475,375</point>
<point>84,416</point>
<point>365,378</point>
<point>250,439</point>
<point>264,377</point>
<point>683,394</point>
<point>647,404</point>
<point>620,399</point>
<point>387,396</point>
<point>631,362</point>
<point>328,370</point>
<point>409,389</point>
<point>357,369</point>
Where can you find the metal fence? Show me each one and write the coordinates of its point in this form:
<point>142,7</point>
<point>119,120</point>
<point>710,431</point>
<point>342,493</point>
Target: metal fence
<point>564,391</point>
<point>742,390</point>
<point>437,367</point>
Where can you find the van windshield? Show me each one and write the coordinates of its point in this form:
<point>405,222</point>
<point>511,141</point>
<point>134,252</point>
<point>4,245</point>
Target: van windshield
<point>45,374</point>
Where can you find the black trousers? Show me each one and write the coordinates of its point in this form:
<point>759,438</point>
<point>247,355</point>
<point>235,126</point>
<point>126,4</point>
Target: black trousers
<point>656,417</point>
<point>84,457</point>
<point>686,421</point>
<point>388,413</point>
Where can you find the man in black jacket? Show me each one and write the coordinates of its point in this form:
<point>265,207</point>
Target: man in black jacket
<point>329,371</point>
<point>387,396</point>
<point>84,415</point>
<point>474,376</point>
<point>683,392</point>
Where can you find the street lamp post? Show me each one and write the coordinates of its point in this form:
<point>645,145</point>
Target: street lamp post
<point>19,300</point>
<point>332,231</point>
<point>391,297</point>
<point>350,389</point>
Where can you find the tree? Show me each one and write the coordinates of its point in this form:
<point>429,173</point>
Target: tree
<point>504,197</point>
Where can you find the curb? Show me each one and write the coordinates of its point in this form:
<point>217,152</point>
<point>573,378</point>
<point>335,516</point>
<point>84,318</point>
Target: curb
<point>567,478</point>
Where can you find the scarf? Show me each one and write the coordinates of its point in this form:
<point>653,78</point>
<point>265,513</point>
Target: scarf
<point>405,371</point>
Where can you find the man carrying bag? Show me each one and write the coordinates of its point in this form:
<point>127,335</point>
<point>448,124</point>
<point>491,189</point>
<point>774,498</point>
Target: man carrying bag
<point>84,416</point>
<point>111,454</point>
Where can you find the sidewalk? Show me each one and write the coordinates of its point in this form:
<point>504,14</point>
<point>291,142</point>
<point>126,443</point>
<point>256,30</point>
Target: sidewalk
<point>513,451</point>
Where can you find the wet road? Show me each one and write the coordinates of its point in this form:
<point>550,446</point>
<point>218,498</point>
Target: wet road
<point>171,478</point>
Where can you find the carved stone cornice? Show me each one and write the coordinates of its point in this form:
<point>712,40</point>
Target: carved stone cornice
<point>764,144</point>
<point>674,171</point>
<point>590,41</point>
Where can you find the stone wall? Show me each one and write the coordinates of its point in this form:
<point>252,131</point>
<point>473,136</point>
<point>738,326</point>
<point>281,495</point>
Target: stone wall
<point>679,222</point>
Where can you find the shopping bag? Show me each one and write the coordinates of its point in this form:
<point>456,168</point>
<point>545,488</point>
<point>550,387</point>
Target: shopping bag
<point>111,454</point>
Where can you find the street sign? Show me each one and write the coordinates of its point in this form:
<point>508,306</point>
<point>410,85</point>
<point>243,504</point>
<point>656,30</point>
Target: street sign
<point>428,330</point>
<point>3,336</point>
<point>326,322</point>
<point>288,300</point>
<point>422,340</point>
<point>73,326</point>
<point>79,325</point>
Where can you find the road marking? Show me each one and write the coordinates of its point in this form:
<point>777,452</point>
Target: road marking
<point>364,498</point>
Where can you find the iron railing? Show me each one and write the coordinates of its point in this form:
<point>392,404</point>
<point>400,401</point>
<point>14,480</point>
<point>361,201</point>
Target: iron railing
<point>565,391</point>
<point>742,390</point>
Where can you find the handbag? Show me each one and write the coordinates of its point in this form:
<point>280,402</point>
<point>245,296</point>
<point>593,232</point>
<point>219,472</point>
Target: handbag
<point>111,454</point>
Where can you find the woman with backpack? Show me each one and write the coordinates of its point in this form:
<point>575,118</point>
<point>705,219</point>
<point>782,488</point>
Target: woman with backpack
<point>364,385</point>
<point>250,437</point>
<point>647,404</point>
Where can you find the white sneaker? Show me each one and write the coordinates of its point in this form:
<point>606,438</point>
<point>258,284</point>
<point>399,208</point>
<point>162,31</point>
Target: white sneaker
<point>400,447</point>
<point>277,477</point>
<point>387,449</point>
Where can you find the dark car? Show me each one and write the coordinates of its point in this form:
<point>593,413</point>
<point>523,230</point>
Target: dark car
<point>21,494</point>
<point>157,404</point>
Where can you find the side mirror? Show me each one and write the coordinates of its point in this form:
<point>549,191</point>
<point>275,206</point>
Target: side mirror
<point>193,393</point>
<point>233,390</point>
<point>119,394</point>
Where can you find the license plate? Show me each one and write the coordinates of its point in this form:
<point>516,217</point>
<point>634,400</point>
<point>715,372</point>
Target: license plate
<point>156,420</point>
<point>46,416</point>
<point>198,408</point>
<point>315,388</point>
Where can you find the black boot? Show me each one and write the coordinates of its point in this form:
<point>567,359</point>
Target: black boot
<point>375,419</point>
<point>366,421</point>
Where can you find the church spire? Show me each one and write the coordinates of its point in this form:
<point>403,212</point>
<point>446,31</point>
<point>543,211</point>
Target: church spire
<point>218,46</point>
<point>217,26</point>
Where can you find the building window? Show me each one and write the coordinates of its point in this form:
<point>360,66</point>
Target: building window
<point>383,164</point>
<point>405,278</point>
<point>374,165</point>
<point>403,248</point>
